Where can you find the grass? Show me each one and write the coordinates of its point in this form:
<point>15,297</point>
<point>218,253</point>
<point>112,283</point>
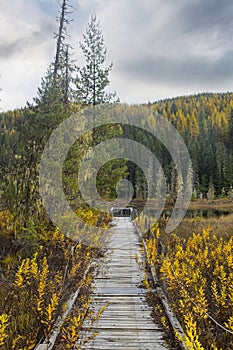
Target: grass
<point>221,225</point>
<point>218,204</point>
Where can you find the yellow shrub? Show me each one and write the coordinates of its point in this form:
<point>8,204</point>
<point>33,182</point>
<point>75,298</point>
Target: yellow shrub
<point>4,323</point>
<point>198,276</point>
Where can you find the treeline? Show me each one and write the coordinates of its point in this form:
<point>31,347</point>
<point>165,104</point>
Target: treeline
<point>205,122</point>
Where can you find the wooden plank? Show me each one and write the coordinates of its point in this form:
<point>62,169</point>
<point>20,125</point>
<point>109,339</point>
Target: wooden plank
<point>127,322</point>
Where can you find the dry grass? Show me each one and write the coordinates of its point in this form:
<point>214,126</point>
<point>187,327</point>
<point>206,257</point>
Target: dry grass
<point>217,204</point>
<point>222,225</point>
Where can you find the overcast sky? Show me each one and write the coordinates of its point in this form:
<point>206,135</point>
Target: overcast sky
<point>159,48</point>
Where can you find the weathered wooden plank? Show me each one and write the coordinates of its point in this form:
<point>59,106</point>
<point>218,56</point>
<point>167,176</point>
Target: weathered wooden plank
<point>127,322</point>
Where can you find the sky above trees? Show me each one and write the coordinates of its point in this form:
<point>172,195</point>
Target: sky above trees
<point>158,48</point>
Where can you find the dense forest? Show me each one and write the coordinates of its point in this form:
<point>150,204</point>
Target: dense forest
<point>204,121</point>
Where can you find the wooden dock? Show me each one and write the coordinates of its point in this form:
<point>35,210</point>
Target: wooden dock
<point>127,322</point>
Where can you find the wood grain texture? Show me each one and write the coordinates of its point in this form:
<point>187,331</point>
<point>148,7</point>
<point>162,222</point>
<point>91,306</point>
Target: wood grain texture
<point>127,322</point>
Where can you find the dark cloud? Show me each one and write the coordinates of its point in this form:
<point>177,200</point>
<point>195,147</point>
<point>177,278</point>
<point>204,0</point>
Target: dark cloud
<point>191,48</point>
<point>203,15</point>
<point>7,50</point>
<point>185,71</point>
<point>35,38</point>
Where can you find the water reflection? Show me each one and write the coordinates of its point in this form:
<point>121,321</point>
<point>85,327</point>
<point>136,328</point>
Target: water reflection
<point>194,213</point>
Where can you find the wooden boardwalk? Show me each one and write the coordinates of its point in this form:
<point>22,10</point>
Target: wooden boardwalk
<point>127,322</point>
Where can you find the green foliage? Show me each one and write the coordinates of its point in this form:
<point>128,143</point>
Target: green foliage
<point>25,132</point>
<point>205,123</point>
<point>92,79</point>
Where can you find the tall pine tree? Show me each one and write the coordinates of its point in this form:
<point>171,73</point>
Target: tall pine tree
<point>93,78</point>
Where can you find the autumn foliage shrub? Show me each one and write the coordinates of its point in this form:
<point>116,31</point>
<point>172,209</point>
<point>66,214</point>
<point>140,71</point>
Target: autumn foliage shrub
<point>40,269</point>
<point>197,275</point>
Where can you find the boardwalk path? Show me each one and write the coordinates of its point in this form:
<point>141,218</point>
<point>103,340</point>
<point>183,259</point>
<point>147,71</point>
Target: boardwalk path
<point>127,322</point>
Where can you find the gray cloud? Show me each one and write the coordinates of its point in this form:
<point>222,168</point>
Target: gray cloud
<point>183,70</point>
<point>28,41</point>
<point>168,47</point>
<point>9,49</point>
<point>202,15</point>
<point>184,44</point>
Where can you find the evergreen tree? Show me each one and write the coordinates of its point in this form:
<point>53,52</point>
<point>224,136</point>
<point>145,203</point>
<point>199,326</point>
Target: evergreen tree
<point>211,191</point>
<point>92,79</point>
<point>230,130</point>
<point>33,130</point>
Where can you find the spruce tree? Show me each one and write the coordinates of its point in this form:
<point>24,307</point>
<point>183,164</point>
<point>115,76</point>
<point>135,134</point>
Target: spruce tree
<point>93,78</point>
